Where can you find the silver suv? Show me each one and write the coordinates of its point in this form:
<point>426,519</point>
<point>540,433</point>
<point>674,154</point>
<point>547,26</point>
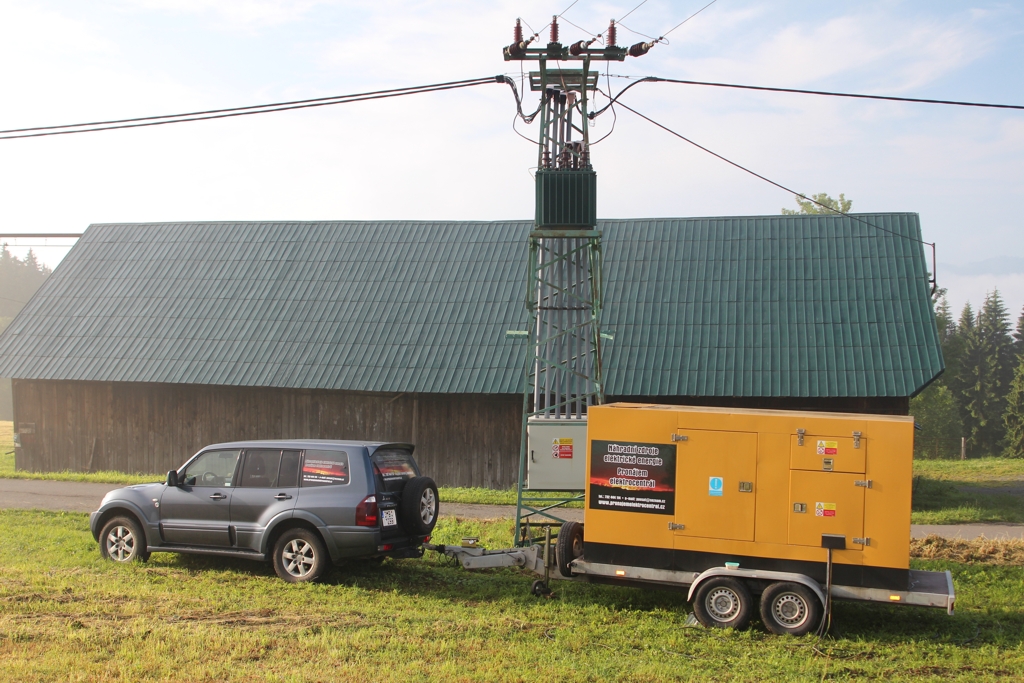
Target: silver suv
<point>301,504</point>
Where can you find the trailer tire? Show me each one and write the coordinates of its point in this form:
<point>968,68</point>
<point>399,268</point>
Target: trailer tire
<point>419,506</point>
<point>723,602</point>
<point>790,608</point>
<point>569,546</point>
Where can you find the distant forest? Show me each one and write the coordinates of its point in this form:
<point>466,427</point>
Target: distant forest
<point>980,397</point>
<point>19,280</point>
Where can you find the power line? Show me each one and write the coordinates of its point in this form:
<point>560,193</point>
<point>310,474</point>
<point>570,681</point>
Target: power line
<point>688,18</point>
<point>631,11</point>
<point>772,182</point>
<point>827,93</point>
<point>144,121</point>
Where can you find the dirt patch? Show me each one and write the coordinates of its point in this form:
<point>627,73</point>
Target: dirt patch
<point>977,551</point>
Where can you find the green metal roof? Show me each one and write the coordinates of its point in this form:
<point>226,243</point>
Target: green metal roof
<point>749,306</point>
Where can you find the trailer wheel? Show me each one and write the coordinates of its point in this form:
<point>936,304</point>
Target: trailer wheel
<point>723,602</point>
<point>569,546</point>
<point>790,608</point>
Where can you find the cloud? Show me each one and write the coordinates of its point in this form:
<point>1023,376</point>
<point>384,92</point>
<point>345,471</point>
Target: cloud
<point>234,14</point>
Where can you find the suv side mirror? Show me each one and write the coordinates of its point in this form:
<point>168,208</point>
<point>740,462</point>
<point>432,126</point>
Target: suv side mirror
<point>172,478</point>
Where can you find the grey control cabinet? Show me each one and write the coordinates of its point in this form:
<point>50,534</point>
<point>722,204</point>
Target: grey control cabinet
<point>557,454</point>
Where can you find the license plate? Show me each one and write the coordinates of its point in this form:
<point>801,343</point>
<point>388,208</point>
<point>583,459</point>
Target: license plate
<point>390,517</point>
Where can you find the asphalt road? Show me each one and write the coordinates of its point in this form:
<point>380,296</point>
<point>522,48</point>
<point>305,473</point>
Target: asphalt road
<point>73,496</point>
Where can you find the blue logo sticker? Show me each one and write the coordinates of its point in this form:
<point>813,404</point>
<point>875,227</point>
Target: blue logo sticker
<point>715,486</point>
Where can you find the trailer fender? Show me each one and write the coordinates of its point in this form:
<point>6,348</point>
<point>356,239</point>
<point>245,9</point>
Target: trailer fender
<point>759,575</point>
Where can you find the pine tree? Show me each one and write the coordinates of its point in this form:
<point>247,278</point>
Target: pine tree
<point>936,414</point>
<point>1018,336</point>
<point>1013,418</point>
<point>985,375</point>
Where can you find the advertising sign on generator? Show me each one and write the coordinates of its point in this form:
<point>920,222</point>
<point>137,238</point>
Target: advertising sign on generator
<point>633,477</point>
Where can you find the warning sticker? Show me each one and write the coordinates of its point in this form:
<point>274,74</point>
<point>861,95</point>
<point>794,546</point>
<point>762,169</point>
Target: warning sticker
<point>561,448</point>
<point>828,447</point>
<point>824,509</point>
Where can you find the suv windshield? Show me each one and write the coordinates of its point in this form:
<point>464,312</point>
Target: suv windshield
<point>393,468</point>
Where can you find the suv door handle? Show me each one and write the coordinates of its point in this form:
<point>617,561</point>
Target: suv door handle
<point>282,496</point>
<point>218,496</point>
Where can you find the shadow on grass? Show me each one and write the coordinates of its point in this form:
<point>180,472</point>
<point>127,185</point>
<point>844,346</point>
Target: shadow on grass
<point>433,578</point>
<point>964,502</point>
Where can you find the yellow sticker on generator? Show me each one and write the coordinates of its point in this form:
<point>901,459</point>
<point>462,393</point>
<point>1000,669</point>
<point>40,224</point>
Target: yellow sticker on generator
<point>824,509</point>
<point>828,447</point>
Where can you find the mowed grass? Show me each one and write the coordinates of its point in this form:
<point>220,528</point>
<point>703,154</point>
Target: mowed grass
<point>68,615</point>
<point>968,491</point>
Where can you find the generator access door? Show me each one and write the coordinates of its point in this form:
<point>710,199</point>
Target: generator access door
<point>826,503</point>
<point>715,484</point>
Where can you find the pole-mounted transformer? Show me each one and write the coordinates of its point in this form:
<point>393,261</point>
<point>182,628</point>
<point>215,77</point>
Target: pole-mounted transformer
<point>564,284</point>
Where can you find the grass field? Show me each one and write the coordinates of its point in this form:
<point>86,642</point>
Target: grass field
<point>68,615</point>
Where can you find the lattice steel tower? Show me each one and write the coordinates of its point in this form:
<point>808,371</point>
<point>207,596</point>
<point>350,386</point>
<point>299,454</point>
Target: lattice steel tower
<point>564,285</point>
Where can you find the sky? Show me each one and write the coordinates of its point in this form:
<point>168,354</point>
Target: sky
<point>454,155</point>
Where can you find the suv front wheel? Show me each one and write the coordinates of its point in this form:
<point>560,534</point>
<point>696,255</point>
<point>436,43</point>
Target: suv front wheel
<point>122,541</point>
<point>300,556</point>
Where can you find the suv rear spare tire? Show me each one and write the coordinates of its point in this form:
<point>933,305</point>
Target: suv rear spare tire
<point>419,506</point>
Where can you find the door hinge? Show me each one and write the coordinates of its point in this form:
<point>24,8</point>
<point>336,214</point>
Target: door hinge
<point>676,527</point>
<point>866,483</point>
<point>862,541</point>
<point>680,437</point>
<point>856,439</point>
<point>800,436</point>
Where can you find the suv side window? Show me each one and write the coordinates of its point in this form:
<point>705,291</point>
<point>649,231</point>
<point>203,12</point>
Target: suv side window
<point>289,477</point>
<point>324,468</point>
<point>393,468</point>
<point>260,468</point>
<point>212,468</point>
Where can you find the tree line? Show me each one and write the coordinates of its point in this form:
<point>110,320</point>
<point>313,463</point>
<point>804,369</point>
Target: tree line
<point>19,280</point>
<point>980,396</point>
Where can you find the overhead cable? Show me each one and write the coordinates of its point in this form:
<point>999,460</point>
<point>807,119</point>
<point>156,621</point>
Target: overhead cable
<point>68,129</point>
<point>860,96</point>
<point>772,182</point>
<point>663,35</point>
<point>958,103</point>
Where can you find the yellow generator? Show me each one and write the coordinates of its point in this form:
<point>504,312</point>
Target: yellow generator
<point>797,507</point>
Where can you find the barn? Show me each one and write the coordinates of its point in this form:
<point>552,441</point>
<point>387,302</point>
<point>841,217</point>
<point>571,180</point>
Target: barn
<point>151,340</point>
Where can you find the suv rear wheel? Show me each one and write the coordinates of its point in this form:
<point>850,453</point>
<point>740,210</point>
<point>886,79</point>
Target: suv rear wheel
<point>300,556</point>
<point>419,505</point>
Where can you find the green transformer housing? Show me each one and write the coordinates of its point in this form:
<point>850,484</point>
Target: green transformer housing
<point>566,199</point>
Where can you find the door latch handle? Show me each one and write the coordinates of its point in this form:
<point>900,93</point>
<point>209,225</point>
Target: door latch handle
<point>282,496</point>
<point>218,496</point>
<point>676,527</point>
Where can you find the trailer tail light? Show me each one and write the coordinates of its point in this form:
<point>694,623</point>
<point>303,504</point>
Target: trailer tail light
<point>366,512</point>
<point>384,548</point>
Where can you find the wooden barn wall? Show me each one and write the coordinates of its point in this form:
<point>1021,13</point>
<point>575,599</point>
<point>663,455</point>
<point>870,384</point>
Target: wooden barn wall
<point>461,440</point>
